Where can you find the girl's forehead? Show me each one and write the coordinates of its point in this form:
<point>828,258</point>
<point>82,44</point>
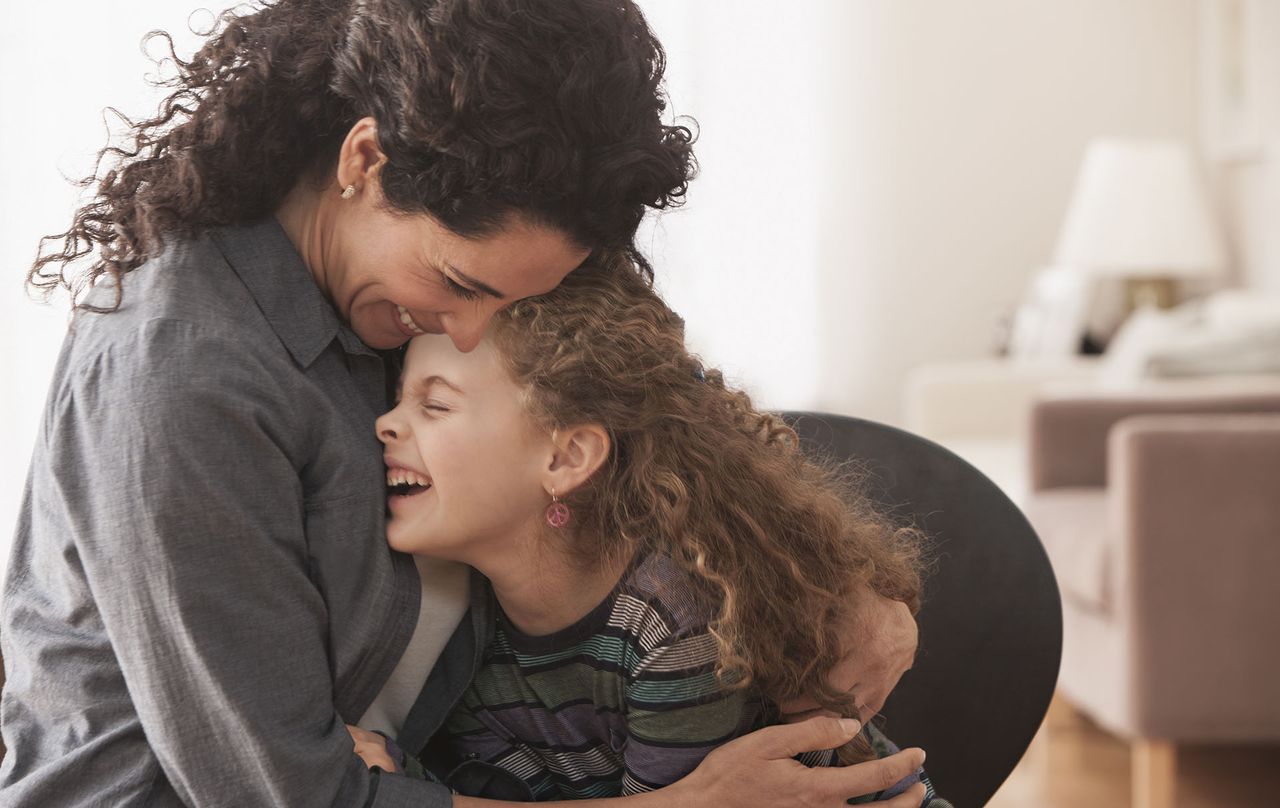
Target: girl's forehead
<point>434,356</point>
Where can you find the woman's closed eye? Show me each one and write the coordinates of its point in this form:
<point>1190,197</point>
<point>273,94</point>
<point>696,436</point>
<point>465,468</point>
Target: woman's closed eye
<point>434,406</point>
<point>458,289</point>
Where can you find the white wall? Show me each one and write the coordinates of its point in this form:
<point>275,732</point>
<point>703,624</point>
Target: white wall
<point>739,260</point>
<point>61,63</point>
<point>920,154</point>
<point>1250,186</point>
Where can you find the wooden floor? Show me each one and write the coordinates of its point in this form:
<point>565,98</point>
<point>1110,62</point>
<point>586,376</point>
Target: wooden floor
<point>1073,763</point>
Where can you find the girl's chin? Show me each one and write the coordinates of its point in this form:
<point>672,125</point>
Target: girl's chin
<point>415,545</point>
<point>399,541</point>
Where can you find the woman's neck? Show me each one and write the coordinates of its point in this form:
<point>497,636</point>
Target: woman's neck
<point>305,216</point>
<point>542,588</point>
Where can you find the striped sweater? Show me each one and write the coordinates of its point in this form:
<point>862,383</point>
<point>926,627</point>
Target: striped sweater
<point>625,700</point>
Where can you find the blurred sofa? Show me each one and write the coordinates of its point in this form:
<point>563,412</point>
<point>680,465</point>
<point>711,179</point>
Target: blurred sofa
<point>1158,500</point>
<point>1160,511</point>
<point>979,409</point>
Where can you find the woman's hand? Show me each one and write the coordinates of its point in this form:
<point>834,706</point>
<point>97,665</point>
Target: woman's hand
<point>881,640</point>
<point>372,748</point>
<point>758,770</point>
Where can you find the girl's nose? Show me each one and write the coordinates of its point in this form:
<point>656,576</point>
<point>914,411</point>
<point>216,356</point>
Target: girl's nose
<point>384,427</point>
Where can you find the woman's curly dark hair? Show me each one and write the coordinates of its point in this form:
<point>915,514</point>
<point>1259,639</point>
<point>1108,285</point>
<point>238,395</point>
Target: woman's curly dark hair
<point>549,109</point>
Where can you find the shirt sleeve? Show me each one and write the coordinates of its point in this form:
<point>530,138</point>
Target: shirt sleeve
<point>181,483</point>
<point>488,763</point>
<point>678,712</point>
<point>472,739</point>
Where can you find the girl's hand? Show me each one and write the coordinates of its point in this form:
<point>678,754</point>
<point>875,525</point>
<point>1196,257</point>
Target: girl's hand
<point>372,748</point>
<point>758,770</point>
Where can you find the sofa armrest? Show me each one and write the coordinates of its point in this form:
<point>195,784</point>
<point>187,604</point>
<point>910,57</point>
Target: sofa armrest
<point>1196,499</point>
<point>982,398</point>
<point>1067,438</point>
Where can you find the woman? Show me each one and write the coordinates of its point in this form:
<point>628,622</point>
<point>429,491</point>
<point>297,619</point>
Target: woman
<point>199,594</point>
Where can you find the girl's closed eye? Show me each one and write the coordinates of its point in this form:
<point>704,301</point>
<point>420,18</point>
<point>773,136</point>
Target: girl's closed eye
<point>434,406</point>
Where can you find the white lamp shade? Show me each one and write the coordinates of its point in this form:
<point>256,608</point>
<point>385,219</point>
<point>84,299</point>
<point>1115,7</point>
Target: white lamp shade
<point>1140,210</point>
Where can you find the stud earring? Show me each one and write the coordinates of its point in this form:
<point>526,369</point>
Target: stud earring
<point>348,192</point>
<point>558,514</point>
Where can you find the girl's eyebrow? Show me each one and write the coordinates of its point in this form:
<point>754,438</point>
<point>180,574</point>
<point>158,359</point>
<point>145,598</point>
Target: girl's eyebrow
<point>426,383</point>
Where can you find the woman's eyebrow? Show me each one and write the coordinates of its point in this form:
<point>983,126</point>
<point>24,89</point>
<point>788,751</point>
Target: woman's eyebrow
<point>479,286</point>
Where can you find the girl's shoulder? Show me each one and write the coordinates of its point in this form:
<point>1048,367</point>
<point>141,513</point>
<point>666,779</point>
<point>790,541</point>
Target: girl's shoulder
<point>656,604</point>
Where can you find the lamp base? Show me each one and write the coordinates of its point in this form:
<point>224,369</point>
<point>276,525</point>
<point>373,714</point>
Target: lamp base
<point>1160,293</point>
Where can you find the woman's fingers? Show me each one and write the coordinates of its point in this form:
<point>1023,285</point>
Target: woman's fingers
<point>911,798</point>
<point>375,755</point>
<point>358,734</point>
<point>757,770</point>
<point>788,740</point>
<point>872,777</point>
<point>371,748</point>
<point>796,718</point>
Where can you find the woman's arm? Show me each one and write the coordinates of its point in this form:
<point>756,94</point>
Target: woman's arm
<point>880,641</point>
<point>172,475</point>
<point>757,771</point>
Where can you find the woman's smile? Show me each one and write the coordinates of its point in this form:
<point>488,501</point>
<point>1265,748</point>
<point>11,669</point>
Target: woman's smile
<point>405,321</point>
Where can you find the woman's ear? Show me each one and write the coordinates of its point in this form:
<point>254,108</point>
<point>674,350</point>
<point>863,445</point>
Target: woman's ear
<point>579,452</point>
<point>360,159</point>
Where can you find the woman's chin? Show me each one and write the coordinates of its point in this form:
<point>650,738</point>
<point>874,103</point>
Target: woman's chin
<point>380,341</point>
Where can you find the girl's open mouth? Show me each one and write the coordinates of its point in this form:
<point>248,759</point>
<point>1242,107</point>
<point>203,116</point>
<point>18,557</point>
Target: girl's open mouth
<point>406,490</point>
<point>405,483</point>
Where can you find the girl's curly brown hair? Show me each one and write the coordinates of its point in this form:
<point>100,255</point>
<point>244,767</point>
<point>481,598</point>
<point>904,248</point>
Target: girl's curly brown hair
<point>550,109</point>
<point>777,545</point>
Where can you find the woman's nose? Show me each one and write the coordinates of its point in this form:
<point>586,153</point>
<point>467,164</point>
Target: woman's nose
<point>466,332</point>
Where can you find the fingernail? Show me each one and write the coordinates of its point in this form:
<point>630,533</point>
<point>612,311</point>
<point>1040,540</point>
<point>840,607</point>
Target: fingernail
<point>922,756</point>
<point>849,725</point>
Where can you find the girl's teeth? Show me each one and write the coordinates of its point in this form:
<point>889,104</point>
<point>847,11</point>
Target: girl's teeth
<point>399,477</point>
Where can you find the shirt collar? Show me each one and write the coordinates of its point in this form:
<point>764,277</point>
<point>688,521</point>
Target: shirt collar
<point>286,293</point>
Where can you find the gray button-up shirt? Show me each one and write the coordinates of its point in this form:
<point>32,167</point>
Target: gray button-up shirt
<point>199,592</point>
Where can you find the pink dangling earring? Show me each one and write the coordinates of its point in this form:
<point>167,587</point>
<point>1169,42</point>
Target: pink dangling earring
<point>558,514</point>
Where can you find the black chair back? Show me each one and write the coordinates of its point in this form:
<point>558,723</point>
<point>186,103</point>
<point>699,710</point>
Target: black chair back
<point>991,623</point>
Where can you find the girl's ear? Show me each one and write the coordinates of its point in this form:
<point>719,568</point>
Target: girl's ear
<point>579,452</point>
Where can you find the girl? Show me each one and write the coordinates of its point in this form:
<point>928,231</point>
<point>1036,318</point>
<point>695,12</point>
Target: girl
<point>667,566</point>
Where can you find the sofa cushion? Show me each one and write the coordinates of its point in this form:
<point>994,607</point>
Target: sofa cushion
<point>1003,461</point>
<point>1072,523</point>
